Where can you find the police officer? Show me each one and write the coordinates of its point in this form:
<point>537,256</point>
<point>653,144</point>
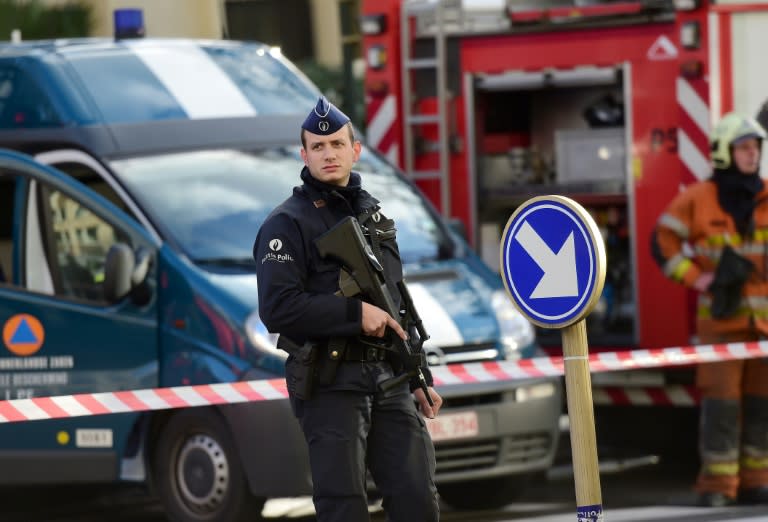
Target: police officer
<point>350,424</point>
<point>724,221</point>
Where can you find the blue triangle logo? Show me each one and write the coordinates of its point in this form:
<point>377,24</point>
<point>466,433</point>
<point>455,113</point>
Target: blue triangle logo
<point>23,334</point>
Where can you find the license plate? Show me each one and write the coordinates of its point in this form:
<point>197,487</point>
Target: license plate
<point>93,438</point>
<point>447,426</point>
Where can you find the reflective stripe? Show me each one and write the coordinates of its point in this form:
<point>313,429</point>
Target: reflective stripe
<point>754,302</point>
<point>714,252</point>
<point>757,302</point>
<point>677,267</point>
<point>724,239</point>
<point>705,312</point>
<point>761,234</point>
<point>754,462</point>
<point>677,226</point>
<point>382,121</point>
<point>722,468</point>
<point>749,249</point>
<point>710,253</point>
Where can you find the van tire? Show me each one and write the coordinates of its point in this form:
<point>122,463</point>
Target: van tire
<point>197,471</point>
<point>484,494</point>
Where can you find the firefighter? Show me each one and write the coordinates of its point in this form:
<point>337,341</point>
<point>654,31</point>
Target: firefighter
<point>713,238</point>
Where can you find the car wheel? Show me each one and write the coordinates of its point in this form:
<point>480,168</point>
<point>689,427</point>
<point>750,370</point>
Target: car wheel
<point>483,494</point>
<point>197,471</point>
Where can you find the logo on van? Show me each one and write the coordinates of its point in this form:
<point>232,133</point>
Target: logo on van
<point>23,334</point>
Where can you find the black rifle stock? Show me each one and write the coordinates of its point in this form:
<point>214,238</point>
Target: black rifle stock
<point>346,243</point>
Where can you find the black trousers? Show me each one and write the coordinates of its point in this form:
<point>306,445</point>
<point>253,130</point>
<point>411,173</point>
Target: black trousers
<point>350,431</point>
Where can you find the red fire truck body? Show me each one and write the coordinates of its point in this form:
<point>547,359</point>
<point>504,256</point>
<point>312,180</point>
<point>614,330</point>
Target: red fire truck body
<point>486,103</point>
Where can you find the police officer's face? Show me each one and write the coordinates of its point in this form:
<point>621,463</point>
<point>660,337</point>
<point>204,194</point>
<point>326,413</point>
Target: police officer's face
<point>746,155</point>
<point>330,158</point>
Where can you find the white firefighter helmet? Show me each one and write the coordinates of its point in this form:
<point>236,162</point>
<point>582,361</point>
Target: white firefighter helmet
<point>731,129</point>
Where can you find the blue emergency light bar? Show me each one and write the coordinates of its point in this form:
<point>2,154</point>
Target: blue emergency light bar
<point>129,23</point>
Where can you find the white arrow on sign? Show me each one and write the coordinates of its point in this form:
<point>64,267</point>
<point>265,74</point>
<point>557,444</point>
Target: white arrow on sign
<point>560,278</point>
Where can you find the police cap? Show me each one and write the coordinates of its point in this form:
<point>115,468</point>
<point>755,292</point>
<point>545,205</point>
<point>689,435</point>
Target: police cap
<point>325,118</point>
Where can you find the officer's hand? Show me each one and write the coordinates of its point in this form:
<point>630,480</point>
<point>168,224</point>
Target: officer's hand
<point>375,322</point>
<point>703,281</point>
<point>429,411</point>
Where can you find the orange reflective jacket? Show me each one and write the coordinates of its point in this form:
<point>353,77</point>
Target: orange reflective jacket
<point>688,241</point>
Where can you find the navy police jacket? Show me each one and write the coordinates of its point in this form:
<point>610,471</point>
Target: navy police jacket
<point>296,285</point>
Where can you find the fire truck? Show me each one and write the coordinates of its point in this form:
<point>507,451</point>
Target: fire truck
<point>487,103</point>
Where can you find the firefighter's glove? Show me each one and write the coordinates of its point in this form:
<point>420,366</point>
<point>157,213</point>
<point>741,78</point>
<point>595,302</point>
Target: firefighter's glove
<point>732,272</point>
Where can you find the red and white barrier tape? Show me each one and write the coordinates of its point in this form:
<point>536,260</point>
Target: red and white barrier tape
<point>674,395</point>
<point>599,362</point>
<point>250,391</point>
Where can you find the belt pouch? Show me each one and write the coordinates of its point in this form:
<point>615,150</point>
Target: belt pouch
<point>330,364</point>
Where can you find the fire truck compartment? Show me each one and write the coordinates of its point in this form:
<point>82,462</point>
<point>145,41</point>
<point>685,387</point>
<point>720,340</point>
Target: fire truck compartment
<point>559,132</point>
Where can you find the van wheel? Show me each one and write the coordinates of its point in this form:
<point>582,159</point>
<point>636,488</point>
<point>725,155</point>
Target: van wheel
<point>198,474</point>
<point>483,494</point>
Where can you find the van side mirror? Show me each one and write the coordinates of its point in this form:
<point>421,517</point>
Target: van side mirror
<point>125,273</point>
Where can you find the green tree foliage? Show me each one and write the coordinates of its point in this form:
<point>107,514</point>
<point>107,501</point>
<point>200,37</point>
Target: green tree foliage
<point>38,21</point>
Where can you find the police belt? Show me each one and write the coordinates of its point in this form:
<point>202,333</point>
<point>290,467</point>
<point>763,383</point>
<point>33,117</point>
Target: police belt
<point>361,352</point>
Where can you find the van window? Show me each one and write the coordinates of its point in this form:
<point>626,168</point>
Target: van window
<point>63,243</point>
<point>22,103</point>
<point>91,179</point>
<point>7,190</point>
<point>79,241</point>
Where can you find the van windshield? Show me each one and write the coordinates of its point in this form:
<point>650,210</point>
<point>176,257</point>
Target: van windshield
<point>212,202</point>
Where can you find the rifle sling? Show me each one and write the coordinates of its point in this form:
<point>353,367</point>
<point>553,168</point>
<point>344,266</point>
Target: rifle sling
<point>336,346</point>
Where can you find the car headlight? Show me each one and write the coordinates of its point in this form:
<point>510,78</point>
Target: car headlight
<point>516,331</point>
<point>261,338</point>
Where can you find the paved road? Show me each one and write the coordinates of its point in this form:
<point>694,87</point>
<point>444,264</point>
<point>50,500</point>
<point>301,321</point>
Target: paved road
<point>652,493</point>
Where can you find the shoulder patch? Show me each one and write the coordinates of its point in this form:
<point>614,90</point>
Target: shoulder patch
<point>275,253</point>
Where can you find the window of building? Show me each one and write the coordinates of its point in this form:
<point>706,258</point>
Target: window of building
<point>283,23</point>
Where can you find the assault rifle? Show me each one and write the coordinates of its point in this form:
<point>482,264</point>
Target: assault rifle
<point>346,243</point>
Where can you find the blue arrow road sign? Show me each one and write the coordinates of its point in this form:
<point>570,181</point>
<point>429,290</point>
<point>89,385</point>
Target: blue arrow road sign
<point>553,261</point>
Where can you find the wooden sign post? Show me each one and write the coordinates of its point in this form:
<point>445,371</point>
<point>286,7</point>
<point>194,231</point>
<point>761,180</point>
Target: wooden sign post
<point>553,266</point>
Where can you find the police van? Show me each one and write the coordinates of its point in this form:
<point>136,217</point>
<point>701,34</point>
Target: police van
<point>165,156</point>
